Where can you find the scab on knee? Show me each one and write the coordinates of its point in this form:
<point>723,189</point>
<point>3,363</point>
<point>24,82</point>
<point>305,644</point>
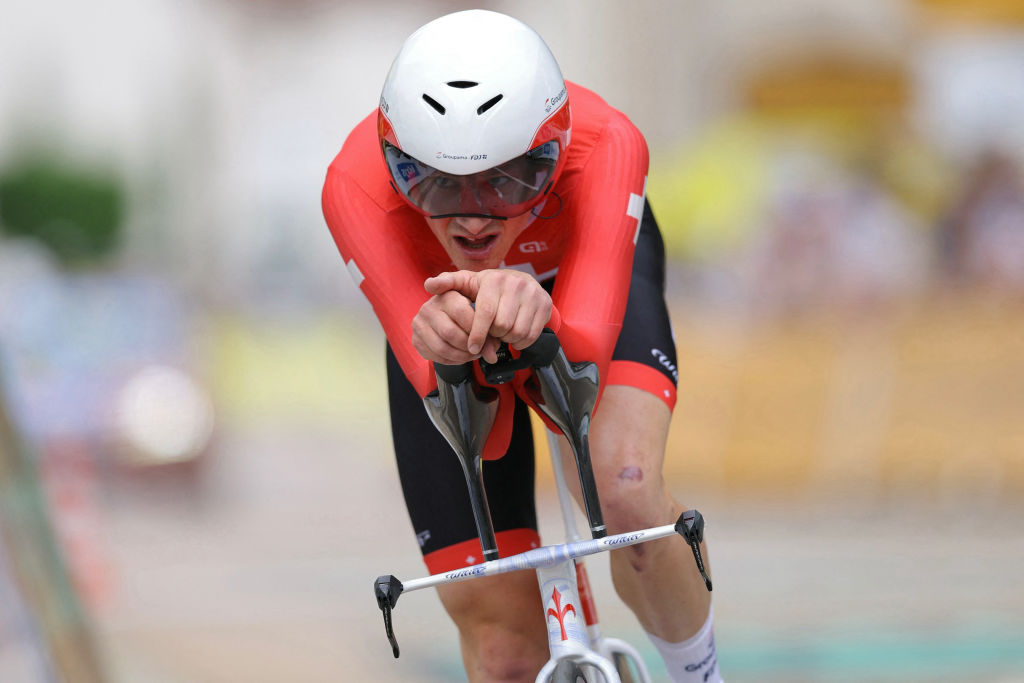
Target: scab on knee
<point>632,474</point>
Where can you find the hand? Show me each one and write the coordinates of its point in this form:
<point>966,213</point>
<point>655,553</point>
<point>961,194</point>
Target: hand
<point>510,306</point>
<point>440,331</point>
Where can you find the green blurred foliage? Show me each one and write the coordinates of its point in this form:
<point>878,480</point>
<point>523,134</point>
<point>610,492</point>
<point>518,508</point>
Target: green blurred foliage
<point>74,210</point>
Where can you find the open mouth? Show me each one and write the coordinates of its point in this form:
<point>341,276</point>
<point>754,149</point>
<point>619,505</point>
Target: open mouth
<point>476,244</point>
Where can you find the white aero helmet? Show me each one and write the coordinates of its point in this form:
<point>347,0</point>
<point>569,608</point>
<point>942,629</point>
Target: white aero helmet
<point>474,117</point>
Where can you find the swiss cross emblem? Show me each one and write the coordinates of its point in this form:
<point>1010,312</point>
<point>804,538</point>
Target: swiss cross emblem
<point>559,612</point>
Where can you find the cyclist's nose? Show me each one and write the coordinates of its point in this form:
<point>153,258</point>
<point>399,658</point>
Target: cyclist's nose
<point>472,225</point>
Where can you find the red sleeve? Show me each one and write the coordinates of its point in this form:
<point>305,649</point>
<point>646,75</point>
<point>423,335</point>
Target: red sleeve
<point>593,279</point>
<point>377,241</point>
<point>380,257</point>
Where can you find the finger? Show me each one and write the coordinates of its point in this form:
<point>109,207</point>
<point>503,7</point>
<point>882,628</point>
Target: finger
<point>462,281</point>
<point>443,324</point>
<point>458,308</point>
<point>434,347</point>
<point>490,350</point>
<point>534,329</point>
<point>435,350</point>
<point>439,284</point>
<point>540,321</point>
<point>487,302</point>
<point>452,334</point>
<point>520,336</point>
<point>510,307</point>
<point>534,310</point>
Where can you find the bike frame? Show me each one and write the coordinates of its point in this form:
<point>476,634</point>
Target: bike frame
<point>573,573</point>
<point>463,412</point>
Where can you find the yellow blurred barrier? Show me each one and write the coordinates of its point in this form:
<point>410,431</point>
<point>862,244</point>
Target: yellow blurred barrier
<point>995,12</point>
<point>323,369</point>
<point>921,402</point>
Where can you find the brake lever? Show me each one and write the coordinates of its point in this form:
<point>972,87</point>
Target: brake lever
<point>387,590</point>
<point>691,527</point>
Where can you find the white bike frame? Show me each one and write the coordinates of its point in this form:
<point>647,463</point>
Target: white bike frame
<point>573,573</point>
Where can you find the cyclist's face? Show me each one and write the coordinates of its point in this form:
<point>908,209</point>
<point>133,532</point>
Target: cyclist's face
<point>477,243</point>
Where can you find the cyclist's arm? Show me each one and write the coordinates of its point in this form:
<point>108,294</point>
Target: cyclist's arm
<point>379,259</point>
<point>388,268</point>
<point>593,279</point>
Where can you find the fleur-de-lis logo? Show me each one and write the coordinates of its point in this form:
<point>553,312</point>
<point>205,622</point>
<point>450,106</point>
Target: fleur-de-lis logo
<point>559,612</point>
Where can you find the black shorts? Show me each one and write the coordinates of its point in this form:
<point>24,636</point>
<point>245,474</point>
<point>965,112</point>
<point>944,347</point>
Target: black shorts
<point>432,479</point>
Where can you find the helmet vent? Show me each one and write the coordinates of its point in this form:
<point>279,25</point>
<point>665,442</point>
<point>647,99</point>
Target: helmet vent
<point>433,103</point>
<point>489,103</point>
<point>463,84</point>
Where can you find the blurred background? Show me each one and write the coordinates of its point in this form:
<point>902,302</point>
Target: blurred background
<point>196,479</point>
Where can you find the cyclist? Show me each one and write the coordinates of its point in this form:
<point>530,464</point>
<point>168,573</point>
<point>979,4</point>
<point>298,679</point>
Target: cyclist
<point>485,199</point>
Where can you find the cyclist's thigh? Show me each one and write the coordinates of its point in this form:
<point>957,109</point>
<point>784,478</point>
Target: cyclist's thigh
<point>630,427</point>
<point>434,485</point>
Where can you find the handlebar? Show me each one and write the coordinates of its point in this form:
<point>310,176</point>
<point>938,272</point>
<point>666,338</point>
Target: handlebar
<point>453,374</point>
<point>541,352</point>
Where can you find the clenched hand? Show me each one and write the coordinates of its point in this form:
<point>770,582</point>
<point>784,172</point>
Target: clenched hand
<point>510,306</point>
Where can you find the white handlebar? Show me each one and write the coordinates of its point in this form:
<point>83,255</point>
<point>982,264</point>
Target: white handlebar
<point>541,557</point>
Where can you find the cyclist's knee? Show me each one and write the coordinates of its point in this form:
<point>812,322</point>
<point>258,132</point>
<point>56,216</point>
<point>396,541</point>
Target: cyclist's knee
<point>632,491</point>
<point>628,449</point>
<point>500,627</point>
<point>634,496</point>
<point>498,652</point>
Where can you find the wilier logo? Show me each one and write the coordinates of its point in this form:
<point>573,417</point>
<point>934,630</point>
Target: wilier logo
<point>560,612</point>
